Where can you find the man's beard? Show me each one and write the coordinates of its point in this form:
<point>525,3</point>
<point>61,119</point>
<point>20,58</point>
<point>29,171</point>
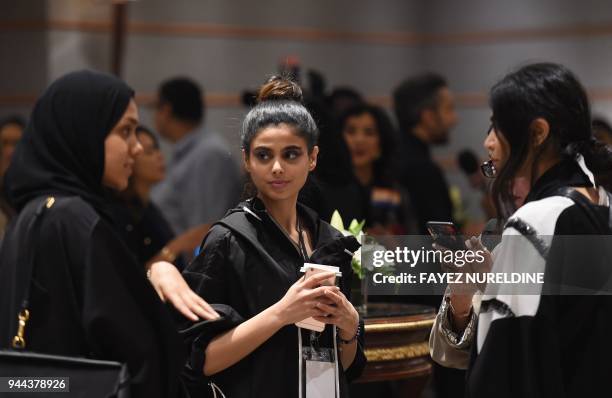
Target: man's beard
<point>440,138</point>
<point>442,132</point>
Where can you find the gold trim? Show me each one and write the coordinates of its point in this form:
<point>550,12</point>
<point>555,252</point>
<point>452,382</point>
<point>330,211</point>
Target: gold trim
<point>50,202</point>
<point>399,326</point>
<point>398,353</point>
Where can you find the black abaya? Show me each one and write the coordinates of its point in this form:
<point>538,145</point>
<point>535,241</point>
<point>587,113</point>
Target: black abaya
<point>89,298</point>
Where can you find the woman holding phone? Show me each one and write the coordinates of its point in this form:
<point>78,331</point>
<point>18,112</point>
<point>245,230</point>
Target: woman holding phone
<point>551,341</point>
<point>250,262</point>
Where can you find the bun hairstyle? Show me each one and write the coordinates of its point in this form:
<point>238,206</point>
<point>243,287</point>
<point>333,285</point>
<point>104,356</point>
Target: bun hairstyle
<point>277,88</point>
<point>279,101</point>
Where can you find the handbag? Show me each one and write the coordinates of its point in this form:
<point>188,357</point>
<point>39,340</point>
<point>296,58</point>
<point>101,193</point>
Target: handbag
<point>35,374</point>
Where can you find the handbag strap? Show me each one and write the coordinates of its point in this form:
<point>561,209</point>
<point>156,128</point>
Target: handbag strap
<point>589,208</point>
<point>28,271</point>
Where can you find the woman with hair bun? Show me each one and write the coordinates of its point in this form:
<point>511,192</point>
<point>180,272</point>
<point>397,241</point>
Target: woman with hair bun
<point>250,262</point>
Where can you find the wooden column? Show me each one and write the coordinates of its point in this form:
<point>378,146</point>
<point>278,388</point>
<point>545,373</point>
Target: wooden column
<point>119,29</point>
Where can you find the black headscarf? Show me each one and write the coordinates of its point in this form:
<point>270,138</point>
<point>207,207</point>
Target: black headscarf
<point>62,150</point>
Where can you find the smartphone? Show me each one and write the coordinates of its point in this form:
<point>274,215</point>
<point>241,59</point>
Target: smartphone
<point>310,269</point>
<point>446,234</point>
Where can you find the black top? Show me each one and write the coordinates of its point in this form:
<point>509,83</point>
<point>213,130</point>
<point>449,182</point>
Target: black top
<point>346,195</point>
<point>230,271</point>
<point>144,229</point>
<point>560,347</point>
<point>88,297</point>
<point>566,173</point>
<point>425,183</point>
<point>390,208</point>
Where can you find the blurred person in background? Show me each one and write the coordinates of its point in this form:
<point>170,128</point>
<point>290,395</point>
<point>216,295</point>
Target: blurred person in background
<point>332,185</point>
<point>425,112</point>
<point>203,181</point>
<point>11,131</point>
<point>144,228</point>
<point>341,99</point>
<point>602,130</point>
<point>372,143</point>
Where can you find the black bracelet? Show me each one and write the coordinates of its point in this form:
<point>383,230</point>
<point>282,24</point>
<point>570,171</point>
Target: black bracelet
<point>353,338</point>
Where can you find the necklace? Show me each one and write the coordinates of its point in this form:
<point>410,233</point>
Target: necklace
<point>301,245</point>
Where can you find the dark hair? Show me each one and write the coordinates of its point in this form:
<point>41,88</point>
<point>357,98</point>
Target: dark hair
<point>601,126</point>
<point>342,98</point>
<point>385,165</point>
<point>334,164</point>
<point>468,161</point>
<point>413,96</point>
<point>334,160</point>
<point>13,119</point>
<point>145,130</point>
<point>279,101</point>
<point>184,97</point>
<point>552,92</point>
<point>350,93</point>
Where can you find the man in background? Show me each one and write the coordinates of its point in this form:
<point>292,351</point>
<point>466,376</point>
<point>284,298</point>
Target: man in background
<point>425,111</point>
<point>203,180</point>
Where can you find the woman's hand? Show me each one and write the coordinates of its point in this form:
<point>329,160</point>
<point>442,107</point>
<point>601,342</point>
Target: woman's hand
<point>469,266</point>
<point>170,285</point>
<point>340,312</point>
<point>302,298</point>
<point>461,294</point>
